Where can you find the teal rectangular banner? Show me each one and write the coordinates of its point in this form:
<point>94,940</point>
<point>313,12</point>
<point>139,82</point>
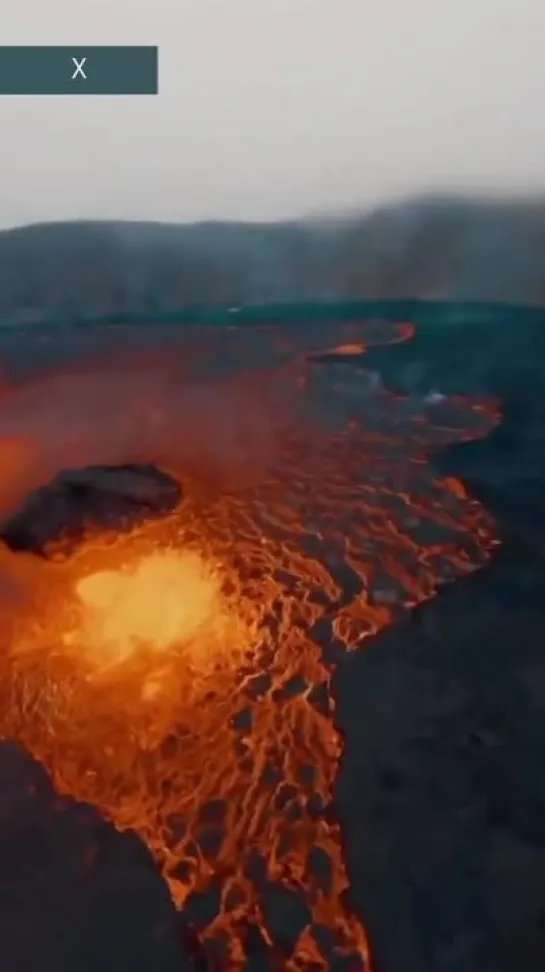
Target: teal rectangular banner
<point>79,70</point>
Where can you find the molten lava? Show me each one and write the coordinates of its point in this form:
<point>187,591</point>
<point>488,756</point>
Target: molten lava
<point>164,600</point>
<point>179,677</point>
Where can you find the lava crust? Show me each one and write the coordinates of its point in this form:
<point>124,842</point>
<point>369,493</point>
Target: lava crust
<point>111,497</point>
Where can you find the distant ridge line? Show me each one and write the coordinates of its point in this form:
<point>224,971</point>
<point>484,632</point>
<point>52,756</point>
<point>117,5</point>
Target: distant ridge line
<point>295,312</point>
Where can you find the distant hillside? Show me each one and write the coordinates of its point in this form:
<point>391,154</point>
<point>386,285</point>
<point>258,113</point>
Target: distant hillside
<point>426,247</point>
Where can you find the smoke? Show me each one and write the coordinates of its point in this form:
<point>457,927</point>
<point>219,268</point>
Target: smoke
<point>217,432</point>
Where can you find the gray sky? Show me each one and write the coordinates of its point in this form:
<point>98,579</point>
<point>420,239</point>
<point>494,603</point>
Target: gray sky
<point>272,108</point>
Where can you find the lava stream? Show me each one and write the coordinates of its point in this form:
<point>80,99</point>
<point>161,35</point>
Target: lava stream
<point>179,677</point>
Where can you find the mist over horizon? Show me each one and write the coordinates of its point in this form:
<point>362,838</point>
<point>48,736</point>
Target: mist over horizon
<point>274,109</point>
<point>435,246</point>
<point>297,150</point>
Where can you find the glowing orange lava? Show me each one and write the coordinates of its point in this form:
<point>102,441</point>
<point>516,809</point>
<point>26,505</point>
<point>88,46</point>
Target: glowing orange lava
<point>163,600</point>
<point>179,677</point>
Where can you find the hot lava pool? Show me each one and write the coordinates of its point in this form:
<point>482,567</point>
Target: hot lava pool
<point>178,676</point>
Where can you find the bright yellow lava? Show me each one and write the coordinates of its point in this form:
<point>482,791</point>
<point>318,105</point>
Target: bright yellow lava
<point>162,601</point>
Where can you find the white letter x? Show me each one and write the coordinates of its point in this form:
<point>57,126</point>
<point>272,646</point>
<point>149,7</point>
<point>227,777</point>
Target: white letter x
<point>79,68</point>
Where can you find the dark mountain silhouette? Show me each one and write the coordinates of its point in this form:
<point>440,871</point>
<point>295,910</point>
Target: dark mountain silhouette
<point>442,246</point>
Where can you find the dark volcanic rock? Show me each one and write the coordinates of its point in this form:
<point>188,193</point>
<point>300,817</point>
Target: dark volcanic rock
<point>74,893</point>
<point>112,497</point>
<point>442,792</point>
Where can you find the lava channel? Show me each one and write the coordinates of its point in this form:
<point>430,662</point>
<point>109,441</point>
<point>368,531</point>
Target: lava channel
<point>179,677</point>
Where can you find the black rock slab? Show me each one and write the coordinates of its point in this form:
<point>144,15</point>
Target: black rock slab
<point>120,497</point>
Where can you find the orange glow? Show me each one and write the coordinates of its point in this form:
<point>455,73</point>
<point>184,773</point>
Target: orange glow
<point>179,677</point>
<point>164,600</point>
<point>345,350</point>
<point>349,349</point>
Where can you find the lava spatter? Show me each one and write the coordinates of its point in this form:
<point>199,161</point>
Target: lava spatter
<point>179,677</point>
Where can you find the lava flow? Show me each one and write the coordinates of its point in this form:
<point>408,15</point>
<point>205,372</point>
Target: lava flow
<point>178,677</point>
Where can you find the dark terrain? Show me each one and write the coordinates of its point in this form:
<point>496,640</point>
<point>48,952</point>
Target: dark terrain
<point>442,791</point>
<point>440,246</point>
